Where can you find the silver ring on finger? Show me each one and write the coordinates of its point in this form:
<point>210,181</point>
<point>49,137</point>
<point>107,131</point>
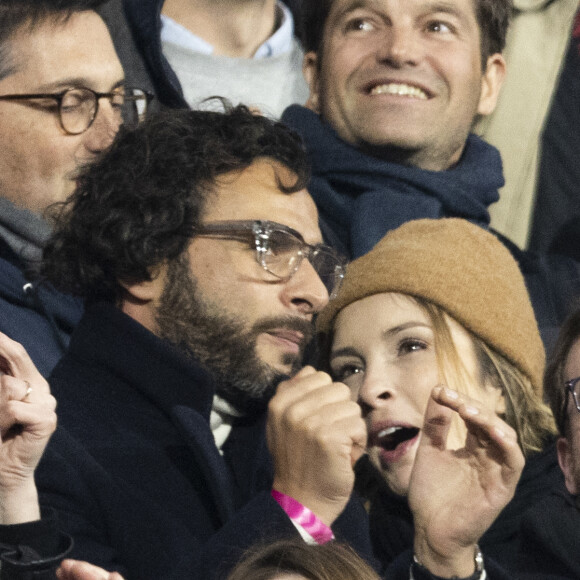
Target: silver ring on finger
<point>28,391</point>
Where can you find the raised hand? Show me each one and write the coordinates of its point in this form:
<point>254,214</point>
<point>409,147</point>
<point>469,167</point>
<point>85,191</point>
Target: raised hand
<point>27,420</point>
<point>315,434</point>
<point>76,570</point>
<point>455,495</point>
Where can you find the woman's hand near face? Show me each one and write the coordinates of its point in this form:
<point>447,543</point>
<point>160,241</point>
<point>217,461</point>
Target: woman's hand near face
<point>27,420</point>
<point>455,495</point>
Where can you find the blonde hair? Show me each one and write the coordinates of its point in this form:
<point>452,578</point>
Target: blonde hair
<point>525,411</point>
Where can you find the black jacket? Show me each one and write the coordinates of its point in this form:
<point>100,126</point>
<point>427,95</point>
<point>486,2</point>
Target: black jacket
<point>35,314</point>
<point>134,472</point>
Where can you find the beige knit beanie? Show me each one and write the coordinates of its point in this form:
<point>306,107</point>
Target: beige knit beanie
<point>463,269</point>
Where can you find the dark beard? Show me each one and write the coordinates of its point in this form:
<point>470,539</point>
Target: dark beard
<point>221,343</point>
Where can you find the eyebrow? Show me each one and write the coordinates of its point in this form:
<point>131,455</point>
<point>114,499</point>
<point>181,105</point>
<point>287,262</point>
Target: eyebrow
<point>350,351</point>
<point>74,82</point>
<point>352,6</point>
<point>430,7</point>
<point>401,327</point>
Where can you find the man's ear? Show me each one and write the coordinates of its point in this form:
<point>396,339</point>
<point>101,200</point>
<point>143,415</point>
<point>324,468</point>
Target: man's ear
<point>147,290</point>
<point>491,83</point>
<point>310,72</point>
<point>566,462</point>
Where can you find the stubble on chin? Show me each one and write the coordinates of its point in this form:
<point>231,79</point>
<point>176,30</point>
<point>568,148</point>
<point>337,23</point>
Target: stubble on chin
<point>222,344</point>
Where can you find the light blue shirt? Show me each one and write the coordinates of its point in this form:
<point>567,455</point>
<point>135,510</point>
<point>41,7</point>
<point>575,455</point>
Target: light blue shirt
<point>279,43</point>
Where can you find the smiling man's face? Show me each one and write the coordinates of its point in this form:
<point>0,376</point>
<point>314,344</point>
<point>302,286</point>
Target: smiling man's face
<point>403,78</point>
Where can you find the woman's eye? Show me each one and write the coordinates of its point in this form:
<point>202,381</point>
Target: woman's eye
<point>343,373</point>
<point>411,345</point>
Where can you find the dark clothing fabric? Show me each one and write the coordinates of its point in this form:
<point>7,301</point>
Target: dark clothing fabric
<point>399,570</point>
<point>558,186</point>
<point>550,537</point>
<point>391,520</point>
<point>360,198</point>
<point>144,21</point>
<point>33,550</point>
<point>136,71</point>
<point>35,314</point>
<point>133,469</point>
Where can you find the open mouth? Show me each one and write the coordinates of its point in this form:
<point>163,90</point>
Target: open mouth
<point>389,439</point>
<point>398,89</point>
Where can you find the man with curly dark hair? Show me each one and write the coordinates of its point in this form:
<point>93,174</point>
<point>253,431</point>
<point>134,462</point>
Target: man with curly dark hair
<point>197,249</point>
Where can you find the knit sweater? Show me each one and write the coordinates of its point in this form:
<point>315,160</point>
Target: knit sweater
<point>271,84</point>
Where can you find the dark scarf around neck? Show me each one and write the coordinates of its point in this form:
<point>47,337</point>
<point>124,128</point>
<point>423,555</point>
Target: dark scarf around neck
<point>361,197</point>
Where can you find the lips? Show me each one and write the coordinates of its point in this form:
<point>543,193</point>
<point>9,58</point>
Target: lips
<point>394,441</point>
<point>292,338</point>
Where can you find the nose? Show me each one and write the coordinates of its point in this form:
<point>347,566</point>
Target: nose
<point>400,46</point>
<point>376,389</point>
<point>305,291</point>
<point>104,128</point>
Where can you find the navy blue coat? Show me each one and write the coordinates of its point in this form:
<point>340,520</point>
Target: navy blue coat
<point>133,470</point>
<point>35,314</point>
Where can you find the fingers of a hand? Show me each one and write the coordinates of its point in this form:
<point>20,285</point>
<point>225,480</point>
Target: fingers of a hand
<point>306,396</point>
<point>485,427</point>
<point>436,422</point>
<point>321,406</point>
<point>16,362</point>
<point>37,419</point>
<point>16,389</point>
<point>77,570</point>
<point>306,380</point>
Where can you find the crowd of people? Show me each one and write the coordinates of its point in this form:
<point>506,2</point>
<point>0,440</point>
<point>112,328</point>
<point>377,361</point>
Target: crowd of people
<point>258,317</point>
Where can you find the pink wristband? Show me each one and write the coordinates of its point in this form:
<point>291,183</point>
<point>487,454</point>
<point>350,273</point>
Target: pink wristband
<point>304,517</point>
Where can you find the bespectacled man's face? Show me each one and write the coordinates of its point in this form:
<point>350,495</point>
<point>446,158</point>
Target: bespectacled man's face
<point>403,78</point>
<point>245,325</point>
<point>569,447</point>
<point>38,159</point>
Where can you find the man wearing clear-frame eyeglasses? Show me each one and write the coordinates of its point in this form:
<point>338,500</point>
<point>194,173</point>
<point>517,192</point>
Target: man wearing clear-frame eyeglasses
<point>62,99</point>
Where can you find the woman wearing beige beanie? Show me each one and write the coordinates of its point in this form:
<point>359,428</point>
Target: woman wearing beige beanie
<point>439,302</point>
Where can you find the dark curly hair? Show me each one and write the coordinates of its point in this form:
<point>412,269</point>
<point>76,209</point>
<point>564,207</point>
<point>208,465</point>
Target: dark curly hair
<point>493,17</point>
<point>18,14</point>
<point>558,396</point>
<point>138,205</point>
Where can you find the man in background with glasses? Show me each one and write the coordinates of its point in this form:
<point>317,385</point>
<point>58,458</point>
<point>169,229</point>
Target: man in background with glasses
<point>550,534</point>
<point>62,99</point>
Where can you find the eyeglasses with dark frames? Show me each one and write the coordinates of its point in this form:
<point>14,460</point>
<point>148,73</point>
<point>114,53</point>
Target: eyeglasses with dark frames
<point>280,249</point>
<point>573,386</point>
<point>79,107</point>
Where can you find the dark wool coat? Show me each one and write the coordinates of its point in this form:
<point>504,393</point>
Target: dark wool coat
<point>134,472</point>
<point>35,315</point>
